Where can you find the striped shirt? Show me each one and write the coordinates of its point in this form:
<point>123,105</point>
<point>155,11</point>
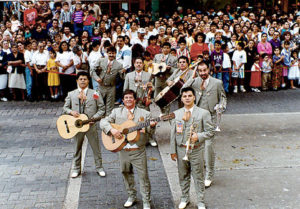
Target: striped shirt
<point>78,16</point>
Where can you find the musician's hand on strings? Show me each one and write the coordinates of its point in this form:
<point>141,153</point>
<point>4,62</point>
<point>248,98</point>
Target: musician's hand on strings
<point>194,137</point>
<point>169,83</point>
<point>99,80</point>
<point>75,113</point>
<point>168,67</point>
<point>174,156</point>
<point>153,123</point>
<point>117,134</point>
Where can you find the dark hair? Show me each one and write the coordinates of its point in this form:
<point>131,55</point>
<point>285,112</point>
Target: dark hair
<point>202,63</point>
<point>200,34</point>
<point>224,46</point>
<point>122,37</point>
<point>129,91</point>
<point>139,58</point>
<point>182,40</point>
<point>60,48</point>
<point>95,43</point>
<point>218,42</point>
<point>147,54</point>
<point>241,44</point>
<point>111,49</point>
<point>83,74</point>
<point>186,89</point>
<point>185,58</point>
<point>166,44</point>
<point>52,51</point>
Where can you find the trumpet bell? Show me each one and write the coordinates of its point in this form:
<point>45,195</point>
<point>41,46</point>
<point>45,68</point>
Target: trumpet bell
<point>218,129</point>
<point>185,158</point>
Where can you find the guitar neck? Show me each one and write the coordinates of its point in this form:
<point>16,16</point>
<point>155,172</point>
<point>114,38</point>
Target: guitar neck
<point>142,125</point>
<point>92,120</point>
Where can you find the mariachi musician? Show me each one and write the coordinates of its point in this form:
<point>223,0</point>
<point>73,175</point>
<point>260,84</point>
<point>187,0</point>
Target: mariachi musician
<point>82,101</point>
<point>171,62</point>
<point>140,82</point>
<point>209,95</point>
<point>132,155</point>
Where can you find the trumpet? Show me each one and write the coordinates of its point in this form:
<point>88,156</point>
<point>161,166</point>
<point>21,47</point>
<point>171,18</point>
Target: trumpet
<point>219,109</point>
<point>189,143</point>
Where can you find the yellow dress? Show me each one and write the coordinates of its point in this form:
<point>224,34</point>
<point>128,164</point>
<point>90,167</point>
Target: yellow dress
<point>146,65</point>
<point>53,78</point>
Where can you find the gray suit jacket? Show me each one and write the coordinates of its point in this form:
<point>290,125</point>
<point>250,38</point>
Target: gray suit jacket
<point>92,108</point>
<point>130,80</point>
<point>204,129</point>
<point>119,115</point>
<point>178,73</point>
<point>108,79</point>
<point>212,95</point>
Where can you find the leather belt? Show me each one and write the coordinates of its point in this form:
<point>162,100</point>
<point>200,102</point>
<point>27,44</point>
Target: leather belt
<point>40,66</point>
<point>195,146</point>
<point>130,149</point>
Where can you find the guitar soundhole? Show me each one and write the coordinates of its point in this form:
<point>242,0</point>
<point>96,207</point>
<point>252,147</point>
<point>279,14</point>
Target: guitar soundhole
<point>125,131</point>
<point>78,123</point>
<point>67,127</point>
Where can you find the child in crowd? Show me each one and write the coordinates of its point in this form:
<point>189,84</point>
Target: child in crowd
<point>65,15</point>
<point>266,72</point>
<point>173,52</point>
<point>206,59</point>
<point>286,53</point>
<point>239,59</point>
<point>255,81</point>
<point>277,69</point>
<point>226,65</point>
<point>53,77</point>
<point>183,51</point>
<point>77,18</point>
<point>217,60</point>
<point>96,34</point>
<point>147,60</point>
<point>294,69</point>
<point>89,21</point>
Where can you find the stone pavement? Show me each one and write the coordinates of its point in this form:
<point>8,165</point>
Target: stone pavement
<point>34,160</point>
<point>257,159</point>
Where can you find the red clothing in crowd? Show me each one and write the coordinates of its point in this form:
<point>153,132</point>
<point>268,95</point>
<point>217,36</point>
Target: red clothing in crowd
<point>153,50</point>
<point>196,50</point>
<point>29,16</point>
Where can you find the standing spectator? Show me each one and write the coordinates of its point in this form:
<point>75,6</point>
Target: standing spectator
<point>251,52</point>
<point>226,67</point>
<point>286,53</point>
<point>264,47</point>
<point>118,32</point>
<point>39,61</point>
<point>255,81</point>
<point>54,30</point>
<point>277,69</point>
<point>28,70</point>
<point>16,70</point>
<point>294,69</point>
<point>44,11</point>
<point>30,14</point>
<point>96,9</point>
<point>53,77</point>
<point>217,60</point>
<point>77,18</point>
<point>92,59</point>
<point>67,34</point>
<point>140,39</point>
<point>266,72</point>
<point>64,60</point>
<point>39,34</point>
<point>65,17</point>
<point>80,59</point>
<point>275,41</point>
<point>89,22</point>
<point>153,48</point>
<point>3,75</point>
<point>199,46</point>
<point>239,59</point>
<point>183,51</point>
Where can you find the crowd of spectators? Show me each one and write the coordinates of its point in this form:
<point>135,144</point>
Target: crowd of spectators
<point>250,49</point>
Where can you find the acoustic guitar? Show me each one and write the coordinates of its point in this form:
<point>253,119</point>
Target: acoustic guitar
<point>157,68</point>
<point>130,131</point>
<point>68,126</point>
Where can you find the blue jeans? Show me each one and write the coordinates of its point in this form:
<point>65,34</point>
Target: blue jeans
<point>28,78</point>
<point>217,75</point>
<point>77,29</point>
<point>95,84</point>
<point>89,29</point>
<point>225,78</point>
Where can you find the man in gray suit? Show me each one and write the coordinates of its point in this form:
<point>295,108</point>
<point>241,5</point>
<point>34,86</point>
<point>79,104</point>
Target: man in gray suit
<point>105,72</point>
<point>138,81</point>
<point>132,155</point>
<point>82,101</point>
<point>209,93</point>
<point>171,62</point>
<point>194,124</point>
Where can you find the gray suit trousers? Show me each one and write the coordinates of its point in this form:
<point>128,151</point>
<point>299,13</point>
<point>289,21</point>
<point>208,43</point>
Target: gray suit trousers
<point>210,155</point>
<point>138,160</point>
<point>93,139</point>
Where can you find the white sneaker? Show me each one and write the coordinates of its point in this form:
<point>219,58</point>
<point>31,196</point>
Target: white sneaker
<point>130,201</point>
<point>4,99</point>
<point>183,205</point>
<point>201,207</point>
<point>242,89</point>
<point>257,90</point>
<point>283,85</point>
<point>153,143</point>
<point>207,182</point>
<point>75,174</point>
<point>146,205</point>
<point>235,90</point>
<point>101,172</point>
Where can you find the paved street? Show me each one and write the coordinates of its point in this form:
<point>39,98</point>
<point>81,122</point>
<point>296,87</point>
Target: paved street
<point>258,154</point>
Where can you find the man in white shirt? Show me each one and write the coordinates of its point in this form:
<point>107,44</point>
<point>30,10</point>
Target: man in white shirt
<point>141,38</point>
<point>39,61</point>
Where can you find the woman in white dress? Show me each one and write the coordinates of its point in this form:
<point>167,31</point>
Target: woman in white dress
<point>16,70</point>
